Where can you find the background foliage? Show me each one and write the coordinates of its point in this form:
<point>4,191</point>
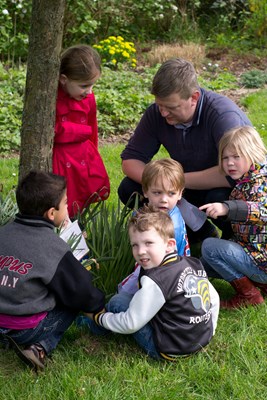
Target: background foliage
<point>239,23</point>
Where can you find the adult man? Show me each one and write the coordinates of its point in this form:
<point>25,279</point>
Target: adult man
<point>189,122</point>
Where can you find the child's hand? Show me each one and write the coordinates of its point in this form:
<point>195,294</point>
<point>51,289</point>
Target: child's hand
<point>215,210</point>
<point>91,315</point>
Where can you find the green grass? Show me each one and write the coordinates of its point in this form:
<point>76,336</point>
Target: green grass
<point>83,366</point>
<point>233,366</point>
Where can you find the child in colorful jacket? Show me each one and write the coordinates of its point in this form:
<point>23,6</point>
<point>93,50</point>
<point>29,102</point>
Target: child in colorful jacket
<point>243,260</point>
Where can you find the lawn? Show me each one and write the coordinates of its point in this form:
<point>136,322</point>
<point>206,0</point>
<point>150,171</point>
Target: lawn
<point>83,366</point>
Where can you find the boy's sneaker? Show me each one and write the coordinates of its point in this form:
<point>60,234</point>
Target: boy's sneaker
<point>33,356</point>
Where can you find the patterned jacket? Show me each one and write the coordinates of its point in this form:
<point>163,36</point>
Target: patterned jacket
<point>248,213</point>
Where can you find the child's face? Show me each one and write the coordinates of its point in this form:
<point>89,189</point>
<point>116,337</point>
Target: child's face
<point>62,213</point>
<point>162,195</point>
<point>77,90</point>
<point>149,248</point>
<point>233,164</point>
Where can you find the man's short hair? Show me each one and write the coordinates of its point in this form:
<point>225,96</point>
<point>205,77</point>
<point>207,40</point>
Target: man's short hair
<point>175,76</point>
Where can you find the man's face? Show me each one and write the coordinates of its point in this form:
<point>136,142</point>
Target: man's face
<point>177,110</point>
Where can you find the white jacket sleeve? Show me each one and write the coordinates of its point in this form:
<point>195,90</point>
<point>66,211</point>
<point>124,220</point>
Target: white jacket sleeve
<point>215,306</point>
<point>146,302</point>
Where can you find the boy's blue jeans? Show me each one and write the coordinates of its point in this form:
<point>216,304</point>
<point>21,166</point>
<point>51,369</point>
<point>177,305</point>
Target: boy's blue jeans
<point>228,260</point>
<point>144,337</point>
<point>48,332</point>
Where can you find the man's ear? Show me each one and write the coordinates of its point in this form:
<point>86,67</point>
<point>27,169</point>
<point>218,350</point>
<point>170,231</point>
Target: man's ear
<point>171,245</point>
<point>195,97</point>
<point>50,214</point>
<point>62,79</point>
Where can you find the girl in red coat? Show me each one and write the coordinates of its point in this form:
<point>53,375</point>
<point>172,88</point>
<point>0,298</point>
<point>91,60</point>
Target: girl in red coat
<point>75,152</point>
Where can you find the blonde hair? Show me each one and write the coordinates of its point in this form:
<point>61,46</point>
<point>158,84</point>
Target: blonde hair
<point>246,141</point>
<point>165,168</point>
<point>148,217</point>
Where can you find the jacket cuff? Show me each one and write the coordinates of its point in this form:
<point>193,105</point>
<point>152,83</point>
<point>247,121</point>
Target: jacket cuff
<point>98,317</point>
<point>238,210</point>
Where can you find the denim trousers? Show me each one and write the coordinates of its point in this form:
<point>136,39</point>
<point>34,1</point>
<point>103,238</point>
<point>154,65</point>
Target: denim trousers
<point>47,333</point>
<point>144,336</point>
<point>228,260</point>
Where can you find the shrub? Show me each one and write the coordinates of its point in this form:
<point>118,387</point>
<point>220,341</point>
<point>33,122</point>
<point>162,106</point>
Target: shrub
<point>253,79</point>
<point>122,97</point>
<point>11,103</point>
<point>115,51</point>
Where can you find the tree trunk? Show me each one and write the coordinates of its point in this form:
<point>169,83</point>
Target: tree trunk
<point>45,41</point>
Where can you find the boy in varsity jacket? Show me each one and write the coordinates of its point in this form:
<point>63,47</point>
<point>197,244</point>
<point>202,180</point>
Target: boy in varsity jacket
<point>175,311</point>
<point>42,285</point>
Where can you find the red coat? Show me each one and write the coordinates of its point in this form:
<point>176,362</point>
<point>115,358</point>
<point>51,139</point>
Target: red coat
<point>75,153</point>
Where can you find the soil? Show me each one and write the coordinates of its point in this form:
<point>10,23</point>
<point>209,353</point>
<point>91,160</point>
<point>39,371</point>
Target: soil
<point>236,64</point>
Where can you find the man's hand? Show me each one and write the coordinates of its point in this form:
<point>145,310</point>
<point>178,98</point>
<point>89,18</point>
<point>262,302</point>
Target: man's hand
<point>215,210</point>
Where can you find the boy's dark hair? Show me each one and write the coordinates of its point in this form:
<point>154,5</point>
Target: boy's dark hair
<point>80,63</point>
<point>38,191</point>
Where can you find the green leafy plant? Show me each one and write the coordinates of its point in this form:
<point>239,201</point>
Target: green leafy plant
<point>213,77</point>
<point>122,97</point>
<point>107,238</point>
<point>8,208</point>
<point>115,51</point>
<point>253,79</point>
<point>12,83</point>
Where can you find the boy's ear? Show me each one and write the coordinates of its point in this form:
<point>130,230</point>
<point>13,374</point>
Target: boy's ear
<point>62,79</point>
<point>171,245</point>
<point>50,214</point>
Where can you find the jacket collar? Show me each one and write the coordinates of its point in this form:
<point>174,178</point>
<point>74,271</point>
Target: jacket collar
<point>32,220</point>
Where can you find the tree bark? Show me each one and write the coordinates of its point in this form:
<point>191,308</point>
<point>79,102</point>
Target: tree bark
<point>45,41</point>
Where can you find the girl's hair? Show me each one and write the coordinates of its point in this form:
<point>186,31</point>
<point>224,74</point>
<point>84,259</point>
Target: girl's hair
<point>38,191</point>
<point>246,141</point>
<point>175,76</point>
<point>80,63</point>
<point>147,217</point>
<point>163,169</point>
